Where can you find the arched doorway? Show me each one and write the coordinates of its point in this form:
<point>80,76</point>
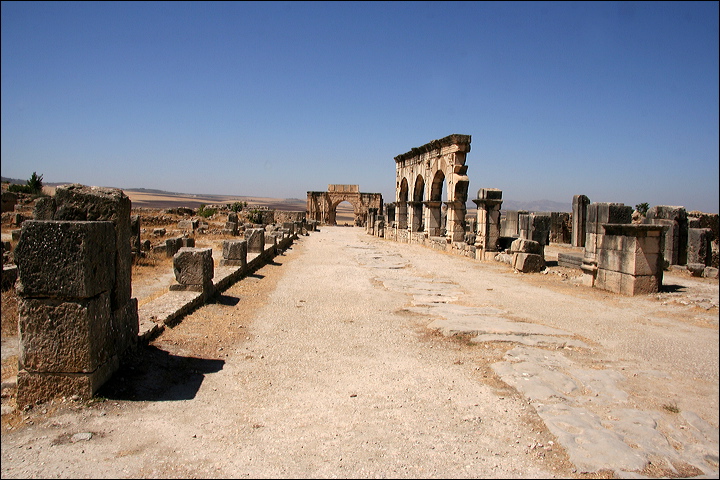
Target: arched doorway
<point>322,206</point>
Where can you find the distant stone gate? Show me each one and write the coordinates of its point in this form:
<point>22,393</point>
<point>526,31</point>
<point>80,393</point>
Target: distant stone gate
<point>322,206</point>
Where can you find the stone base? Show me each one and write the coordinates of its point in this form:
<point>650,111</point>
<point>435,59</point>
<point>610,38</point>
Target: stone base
<point>626,284</point>
<point>528,262</point>
<point>40,387</point>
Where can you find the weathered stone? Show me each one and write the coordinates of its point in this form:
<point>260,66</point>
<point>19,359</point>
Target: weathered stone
<point>80,202</point>
<point>234,253</point>
<point>193,266</point>
<point>172,245</point>
<point>522,245</point>
<point>255,240</point>
<point>699,247</point>
<point>696,269</point>
<point>528,262</point>
<point>44,208</point>
<point>38,387</point>
<point>188,224</point>
<point>66,259</point>
<point>64,336</point>
<point>579,219</point>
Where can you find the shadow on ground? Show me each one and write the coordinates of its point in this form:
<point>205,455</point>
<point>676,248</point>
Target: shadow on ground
<point>152,374</point>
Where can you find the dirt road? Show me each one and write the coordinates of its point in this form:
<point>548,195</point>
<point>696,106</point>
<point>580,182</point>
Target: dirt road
<point>322,365</point>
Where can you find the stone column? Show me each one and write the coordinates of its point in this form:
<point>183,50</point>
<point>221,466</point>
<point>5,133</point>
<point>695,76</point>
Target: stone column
<point>676,235</point>
<point>416,216</point>
<point>579,219</point>
<point>433,223</point>
<point>489,201</point>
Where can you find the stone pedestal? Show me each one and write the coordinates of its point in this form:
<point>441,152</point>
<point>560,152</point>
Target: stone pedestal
<point>630,259</point>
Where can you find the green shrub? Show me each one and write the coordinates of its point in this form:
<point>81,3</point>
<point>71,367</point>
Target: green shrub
<point>205,212</point>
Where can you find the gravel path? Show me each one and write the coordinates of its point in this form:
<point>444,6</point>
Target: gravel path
<point>322,365</point>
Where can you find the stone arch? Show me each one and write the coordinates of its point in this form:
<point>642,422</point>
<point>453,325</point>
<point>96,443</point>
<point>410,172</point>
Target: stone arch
<point>402,201</point>
<point>417,223</point>
<point>443,163</point>
<point>322,206</point>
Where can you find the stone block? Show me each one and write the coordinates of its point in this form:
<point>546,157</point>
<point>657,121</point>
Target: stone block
<point>65,259</point>
<point>188,224</point>
<point>528,262</point>
<point>289,226</point>
<point>82,203</point>
<point>522,245</point>
<point>64,336</point>
<point>44,208</point>
<point>696,269</point>
<point>39,387</point>
<point>194,266</point>
<point>234,253</point>
<point>699,247</point>
<point>187,242</point>
<point>255,240</point>
<point>172,245</point>
<point>135,233</point>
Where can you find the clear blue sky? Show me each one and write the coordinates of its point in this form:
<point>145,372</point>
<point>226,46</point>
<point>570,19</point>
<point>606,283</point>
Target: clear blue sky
<point>616,101</point>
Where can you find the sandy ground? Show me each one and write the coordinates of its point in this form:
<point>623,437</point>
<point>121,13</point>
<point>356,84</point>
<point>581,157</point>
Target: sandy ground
<point>322,364</point>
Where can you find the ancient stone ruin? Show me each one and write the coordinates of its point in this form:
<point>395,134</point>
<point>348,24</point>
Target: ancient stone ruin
<point>617,254</point>
<point>76,314</point>
<point>322,206</point>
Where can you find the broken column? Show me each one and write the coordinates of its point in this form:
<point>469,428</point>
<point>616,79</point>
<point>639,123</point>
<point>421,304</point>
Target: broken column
<point>234,253</point>
<point>630,258</point>
<point>255,240</point>
<point>527,255</point>
<point>70,339</point>
<point>194,269</point>
<point>579,219</point>
<point>488,201</point>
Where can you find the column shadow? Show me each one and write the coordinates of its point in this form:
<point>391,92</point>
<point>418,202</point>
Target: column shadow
<point>152,374</point>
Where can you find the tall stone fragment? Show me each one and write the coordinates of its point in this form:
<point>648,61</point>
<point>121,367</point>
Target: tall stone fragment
<point>234,253</point>
<point>579,219</point>
<point>488,201</point>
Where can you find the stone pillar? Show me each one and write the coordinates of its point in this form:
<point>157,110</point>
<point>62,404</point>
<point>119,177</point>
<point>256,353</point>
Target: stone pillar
<point>597,215</point>
<point>255,240</point>
<point>416,216</point>
<point>489,201</point>
<point>630,259</point>
<point>234,253</point>
<point>579,219</point>
<point>194,269</point>
<point>70,339</point>
<point>455,224</point>
<point>699,246</point>
<point>433,221</point>
<point>402,215</point>
<point>135,235</point>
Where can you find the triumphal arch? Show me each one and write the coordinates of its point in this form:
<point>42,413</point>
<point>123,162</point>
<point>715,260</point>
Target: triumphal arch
<point>422,174</point>
<point>322,206</point>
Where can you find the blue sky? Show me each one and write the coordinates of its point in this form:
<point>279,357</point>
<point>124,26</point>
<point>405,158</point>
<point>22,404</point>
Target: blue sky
<point>616,101</point>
